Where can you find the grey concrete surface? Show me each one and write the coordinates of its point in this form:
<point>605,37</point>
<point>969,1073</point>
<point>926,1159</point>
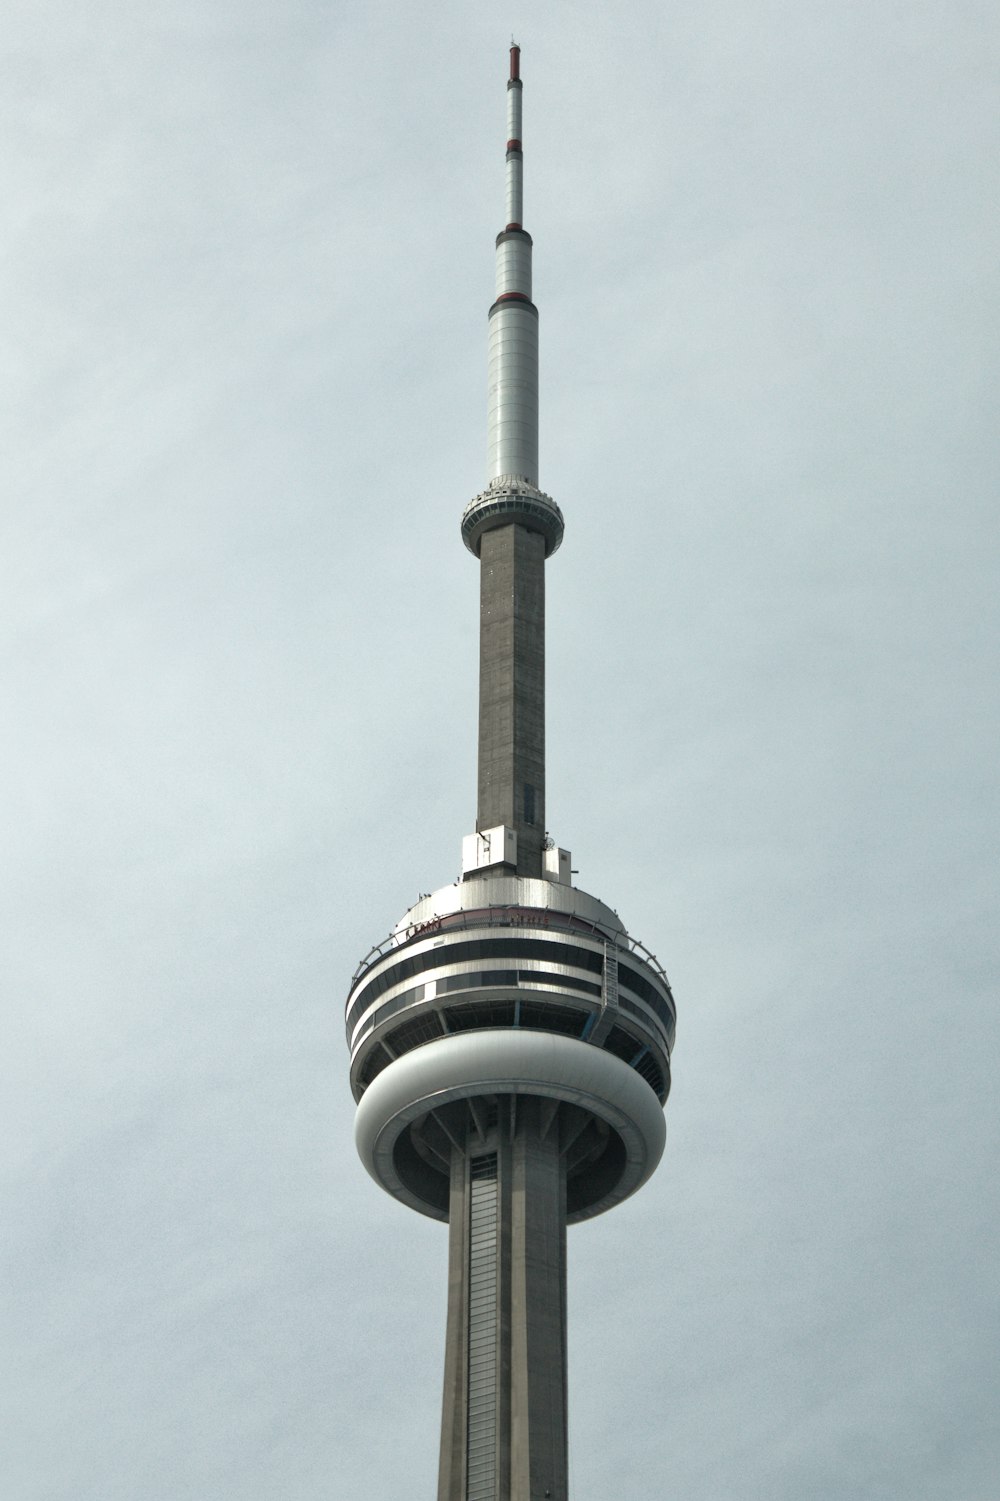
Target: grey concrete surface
<point>512,689</point>
<point>522,1290</point>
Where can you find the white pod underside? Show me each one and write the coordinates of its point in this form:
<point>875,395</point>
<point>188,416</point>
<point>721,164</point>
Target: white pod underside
<point>470,1065</point>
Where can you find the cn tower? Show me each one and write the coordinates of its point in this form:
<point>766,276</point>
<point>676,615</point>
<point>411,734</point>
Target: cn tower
<point>510,1042</point>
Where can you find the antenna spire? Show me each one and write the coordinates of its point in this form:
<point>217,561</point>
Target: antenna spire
<point>512,527</point>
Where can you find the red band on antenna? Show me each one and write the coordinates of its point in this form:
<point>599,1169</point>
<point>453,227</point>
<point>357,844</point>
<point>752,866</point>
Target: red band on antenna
<point>515,62</point>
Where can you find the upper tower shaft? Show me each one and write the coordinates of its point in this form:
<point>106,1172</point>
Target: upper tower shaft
<point>512,527</point>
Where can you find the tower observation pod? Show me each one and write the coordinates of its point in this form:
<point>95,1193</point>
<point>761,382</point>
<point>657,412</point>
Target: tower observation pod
<point>510,1042</point>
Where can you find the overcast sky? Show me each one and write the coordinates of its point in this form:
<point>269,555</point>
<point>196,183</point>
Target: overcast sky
<point>249,255</point>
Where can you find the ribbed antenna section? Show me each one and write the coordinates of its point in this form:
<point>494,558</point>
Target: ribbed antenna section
<point>513,360</point>
<point>515,170</point>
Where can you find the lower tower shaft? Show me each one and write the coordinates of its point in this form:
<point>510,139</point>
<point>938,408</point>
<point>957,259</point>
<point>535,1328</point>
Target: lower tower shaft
<point>504,1431</point>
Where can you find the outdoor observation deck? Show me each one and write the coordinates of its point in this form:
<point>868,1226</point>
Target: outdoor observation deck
<point>512,500</point>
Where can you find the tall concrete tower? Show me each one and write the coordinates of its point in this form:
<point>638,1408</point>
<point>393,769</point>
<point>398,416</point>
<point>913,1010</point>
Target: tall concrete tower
<point>510,1042</point>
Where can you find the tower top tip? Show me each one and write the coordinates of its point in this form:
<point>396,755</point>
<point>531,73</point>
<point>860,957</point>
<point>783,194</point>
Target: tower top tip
<point>515,61</point>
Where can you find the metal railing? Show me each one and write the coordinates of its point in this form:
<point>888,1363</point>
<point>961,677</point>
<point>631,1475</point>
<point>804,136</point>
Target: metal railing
<point>508,917</point>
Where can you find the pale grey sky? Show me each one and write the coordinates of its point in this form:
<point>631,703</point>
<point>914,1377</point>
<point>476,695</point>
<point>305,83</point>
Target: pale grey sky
<point>248,262</point>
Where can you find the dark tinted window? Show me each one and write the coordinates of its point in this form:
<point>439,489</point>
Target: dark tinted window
<point>622,1044</point>
<point>412,1033</point>
<point>641,987</point>
<point>478,948</point>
